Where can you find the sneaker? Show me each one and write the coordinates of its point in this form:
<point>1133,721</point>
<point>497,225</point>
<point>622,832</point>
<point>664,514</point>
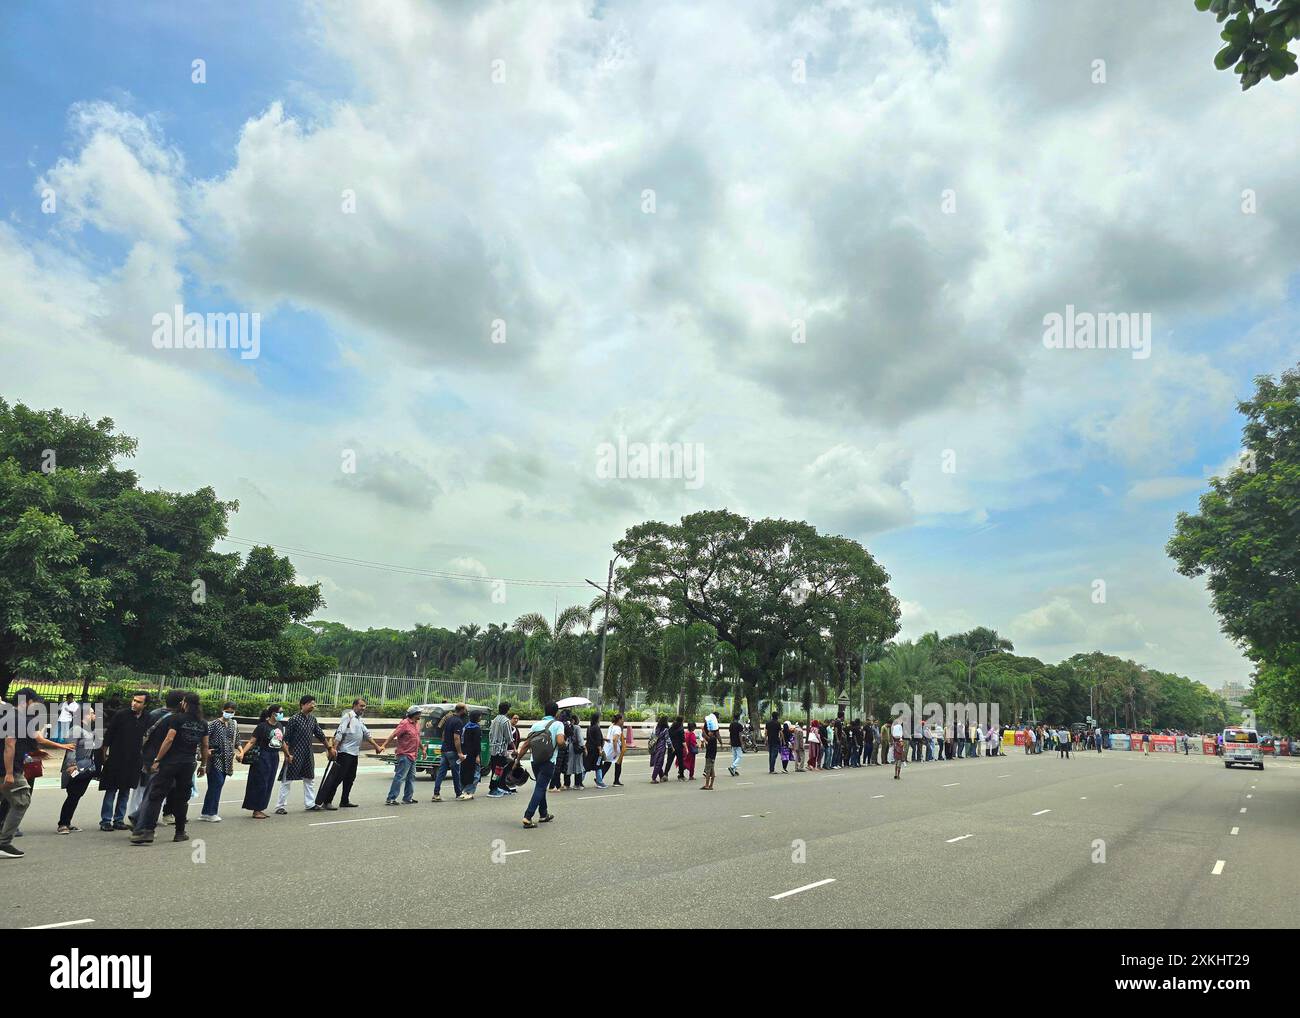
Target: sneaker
<point>527,823</point>
<point>10,852</point>
<point>548,818</point>
<point>410,802</point>
<point>313,809</point>
<point>142,837</point>
<point>213,819</point>
<point>120,826</point>
<point>180,836</point>
<point>106,827</point>
<point>63,830</point>
<point>436,798</point>
<point>496,794</point>
<point>390,802</point>
<point>348,805</point>
<point>280,811</point>
<point>330,807</point>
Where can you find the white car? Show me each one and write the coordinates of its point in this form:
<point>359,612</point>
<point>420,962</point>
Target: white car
<point>1241,746</point>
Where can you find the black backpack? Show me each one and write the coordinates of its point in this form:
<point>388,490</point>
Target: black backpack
<point>542,744</point>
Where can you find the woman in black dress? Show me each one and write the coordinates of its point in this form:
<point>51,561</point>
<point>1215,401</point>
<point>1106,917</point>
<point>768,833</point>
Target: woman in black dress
<point>262,754</point>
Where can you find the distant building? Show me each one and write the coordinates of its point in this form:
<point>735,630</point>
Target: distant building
<point>1233,692</point>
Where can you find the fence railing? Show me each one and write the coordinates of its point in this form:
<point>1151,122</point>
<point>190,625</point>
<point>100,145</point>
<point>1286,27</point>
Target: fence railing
<point>341,688</point>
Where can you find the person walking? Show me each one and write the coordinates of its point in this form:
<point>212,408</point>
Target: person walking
<point>185,734</point>
<point>659,752</point>
<point>575,767</point>
<point>407,737</point>
<point>677,745</point>
<point>452,755</point>
<point>814,743</point>
<point>80,766</point>
<point>773,732</point>
<point>349,737</point>
<point>690,744</point>
<point>153,737</point>
<point>261,754</point>
<point>1146,743</point>
<point>710,757</point>
<point>500,743</point>
<point>19,724</point>
<point>300,732</point>
<point>736,733</point>
<point>899,749</point>
<point>471,745</point>
<point>544,741</point>
<point>595,750</point>
<point>617,747</point>
<point>223,737</point>
<point>119,769</point>
<point>798,734</point>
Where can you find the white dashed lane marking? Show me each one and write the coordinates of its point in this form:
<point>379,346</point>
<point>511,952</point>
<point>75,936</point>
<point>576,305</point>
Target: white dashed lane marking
<point>962,838</point>
<point>1218,868</point>
<point>1040,812</point>
<point>800,890</point>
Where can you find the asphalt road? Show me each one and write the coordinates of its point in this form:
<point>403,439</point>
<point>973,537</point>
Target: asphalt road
<point>975,844</point>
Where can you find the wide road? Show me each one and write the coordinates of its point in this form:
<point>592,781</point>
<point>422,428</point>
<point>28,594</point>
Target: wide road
<point>1011,841</point>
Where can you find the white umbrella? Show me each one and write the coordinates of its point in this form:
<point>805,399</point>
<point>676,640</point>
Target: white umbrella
<point>573,701</point>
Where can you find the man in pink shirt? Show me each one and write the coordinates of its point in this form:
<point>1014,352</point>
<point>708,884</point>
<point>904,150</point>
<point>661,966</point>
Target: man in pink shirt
<point>407,737</point>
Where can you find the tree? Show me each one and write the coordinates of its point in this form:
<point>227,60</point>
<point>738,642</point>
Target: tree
<point>1258,40</point>
<point>551,649</point>
<point>96,571</point>
<point>1246,538</point>
<point>765,586</point>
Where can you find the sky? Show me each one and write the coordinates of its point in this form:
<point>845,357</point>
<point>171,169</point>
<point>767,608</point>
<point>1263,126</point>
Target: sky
<point>815,246</point>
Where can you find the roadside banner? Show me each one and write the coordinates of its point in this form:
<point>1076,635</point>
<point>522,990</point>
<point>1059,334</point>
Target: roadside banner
<point>1119,740</point>
<point>1164,743</point>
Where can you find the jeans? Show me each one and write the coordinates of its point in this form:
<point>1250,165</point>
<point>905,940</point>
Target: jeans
<point>113,808</point>
<point>773,752</point>
<point>737,753</point>
<point>450,765</point>
<point>213,798</point>
<point>403,771</point>
<point>469,773</point>
<point>541,781</point>
<point>17,797</point>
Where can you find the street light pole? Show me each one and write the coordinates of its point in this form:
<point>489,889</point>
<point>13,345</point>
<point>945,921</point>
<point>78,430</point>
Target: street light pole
<point>604,635</point>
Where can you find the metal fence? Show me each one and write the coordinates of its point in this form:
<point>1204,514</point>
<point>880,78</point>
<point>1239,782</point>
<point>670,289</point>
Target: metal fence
<point>341,688</point>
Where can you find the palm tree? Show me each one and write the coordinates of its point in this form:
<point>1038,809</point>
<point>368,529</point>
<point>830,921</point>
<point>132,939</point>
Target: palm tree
<point>551,648</point>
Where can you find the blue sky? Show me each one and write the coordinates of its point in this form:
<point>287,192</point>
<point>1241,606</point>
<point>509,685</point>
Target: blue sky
<point>499,156</point>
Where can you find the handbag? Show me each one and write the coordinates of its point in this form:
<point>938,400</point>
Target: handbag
<point>33,768</point>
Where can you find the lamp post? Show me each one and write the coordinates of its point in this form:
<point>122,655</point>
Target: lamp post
<point>604,634</point>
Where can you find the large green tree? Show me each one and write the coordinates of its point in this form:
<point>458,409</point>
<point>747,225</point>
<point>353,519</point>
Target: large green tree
<point>767,587</point>
<point>95,571</point>
<point>1245,540</point>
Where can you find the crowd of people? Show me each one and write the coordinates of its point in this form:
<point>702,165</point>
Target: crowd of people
<point>147,762</point>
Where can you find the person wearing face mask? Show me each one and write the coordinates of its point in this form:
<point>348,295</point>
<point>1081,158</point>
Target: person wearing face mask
<point>262,754</point>
<point>349,737</point>
<point>223,737</point>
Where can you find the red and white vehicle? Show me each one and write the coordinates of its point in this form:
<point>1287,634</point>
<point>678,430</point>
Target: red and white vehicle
<point>1241,746</point>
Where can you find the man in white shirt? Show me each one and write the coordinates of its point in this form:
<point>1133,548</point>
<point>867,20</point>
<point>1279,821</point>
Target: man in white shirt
<point>348,739</point>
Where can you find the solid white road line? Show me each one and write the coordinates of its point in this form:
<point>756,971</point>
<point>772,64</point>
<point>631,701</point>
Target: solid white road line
<point>581,798</point>
<point>55,926</point>
<point>739,783</point>
<point>1218,868</point>
<point>359,820</point>
<point>1040,812</point>
<point>962,838</point>
<point>517,851</point>
<point>800,890</point>
<point>1234,830</point>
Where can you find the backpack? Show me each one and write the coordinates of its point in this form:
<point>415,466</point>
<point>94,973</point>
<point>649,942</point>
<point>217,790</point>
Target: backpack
<point>542,743</point>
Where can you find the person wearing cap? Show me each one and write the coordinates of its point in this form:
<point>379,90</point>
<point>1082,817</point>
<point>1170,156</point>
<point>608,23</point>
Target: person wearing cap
<point>407,737</point>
